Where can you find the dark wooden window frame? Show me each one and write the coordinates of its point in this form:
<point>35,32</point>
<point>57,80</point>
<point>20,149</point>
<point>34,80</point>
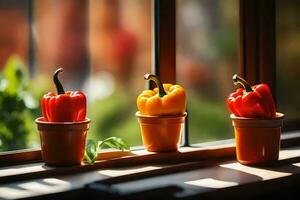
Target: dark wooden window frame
<point>257,57</point>
<point>257,45</point>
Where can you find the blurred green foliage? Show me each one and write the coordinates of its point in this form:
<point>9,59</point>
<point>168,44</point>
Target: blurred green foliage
<point>115,116</point>
<point>17,106</point>
<point>208,120</point>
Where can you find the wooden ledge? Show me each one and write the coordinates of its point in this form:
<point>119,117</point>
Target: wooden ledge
<point>110,159</point>
<point>193,177</point>
<point>228,180</point>
<point>34,168</point>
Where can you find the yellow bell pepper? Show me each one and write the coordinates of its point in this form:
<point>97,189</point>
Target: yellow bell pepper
<point>165,99</point>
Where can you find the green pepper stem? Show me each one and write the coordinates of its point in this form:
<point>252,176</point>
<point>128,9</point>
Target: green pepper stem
<point>161,90</point>
<point>238,80</point>
<point>58,85</point>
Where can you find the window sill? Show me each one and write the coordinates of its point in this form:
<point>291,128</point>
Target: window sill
<point>176,180</point>
<point>113,158</point>
<point>116,167</point>
<point>226,180</point>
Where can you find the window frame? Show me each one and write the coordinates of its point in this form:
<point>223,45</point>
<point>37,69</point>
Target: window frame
<point>257,42</point>
<point>257,58</point>
<point>257,47</point>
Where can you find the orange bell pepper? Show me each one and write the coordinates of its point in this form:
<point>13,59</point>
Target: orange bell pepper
<point>165,99</point>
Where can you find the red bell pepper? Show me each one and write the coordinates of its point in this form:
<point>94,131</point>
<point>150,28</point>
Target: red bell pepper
<point>65,106</point>
<point>252,102</point>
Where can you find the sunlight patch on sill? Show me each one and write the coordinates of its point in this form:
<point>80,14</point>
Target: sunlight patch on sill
<point>121,172</point>
<point>55,181</point>
<point>263,173</point>
<point>21,169</point>
<point>12,193</point>
<point>211,183</point>
<point>44,187</point>
<point>289,153</point>
<point>296,164</point>
<point>34,186</point>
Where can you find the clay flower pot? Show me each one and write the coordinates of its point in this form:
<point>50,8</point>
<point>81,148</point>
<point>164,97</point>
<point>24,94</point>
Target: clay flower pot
<point>62,143</point>
<point>161,133</point>
<point>257,140</point>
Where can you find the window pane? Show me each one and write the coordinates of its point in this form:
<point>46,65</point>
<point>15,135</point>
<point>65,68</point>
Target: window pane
<point>104,47</point>
<point>120,47</point>
<point>14,32</point>
<point>288,53</point>
<point>206,60</point>
<point>61,29</point>
<point>16,108</point>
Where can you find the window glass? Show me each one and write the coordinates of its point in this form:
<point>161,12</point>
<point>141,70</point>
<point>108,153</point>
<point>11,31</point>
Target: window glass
<point>14,37</point>
<point>206,60</point>
<point>120,47</point>
<point>104,47</point>
<point>288,53</point>
<point>16,105</point>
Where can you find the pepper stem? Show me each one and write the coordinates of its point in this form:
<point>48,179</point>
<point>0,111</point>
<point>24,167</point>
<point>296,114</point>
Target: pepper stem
<point>239,80</point>
<point>161,90</point>
<point>58,85</point>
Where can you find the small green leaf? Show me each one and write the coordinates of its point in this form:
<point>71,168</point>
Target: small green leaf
<point>117,143</point>
<point>92,147</point>
<point>91,151</point>
<point>100,144</point>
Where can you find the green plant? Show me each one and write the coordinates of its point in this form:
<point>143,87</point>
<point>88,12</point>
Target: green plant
<point>16,104</point>
<point>92,147</point>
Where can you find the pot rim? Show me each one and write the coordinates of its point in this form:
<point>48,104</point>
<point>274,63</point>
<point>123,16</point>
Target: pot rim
<point>278,116</point>
<point>39,120</point>
<point>138,114</point>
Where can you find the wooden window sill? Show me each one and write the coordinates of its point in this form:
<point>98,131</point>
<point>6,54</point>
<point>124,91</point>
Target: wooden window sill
<point>225,180</point>
<point>116,167</point>
<point>33,167</point>
<point>176,180</point>
<point>112,158</point>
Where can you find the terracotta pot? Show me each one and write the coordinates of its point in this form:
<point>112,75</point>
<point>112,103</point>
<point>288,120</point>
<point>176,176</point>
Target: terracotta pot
<point>62,143</point>
<point>257,140</point>
<point>161,133</point>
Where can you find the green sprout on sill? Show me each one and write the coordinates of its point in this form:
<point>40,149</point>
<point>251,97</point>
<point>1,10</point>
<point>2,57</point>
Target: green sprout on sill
<point>92,147</point>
